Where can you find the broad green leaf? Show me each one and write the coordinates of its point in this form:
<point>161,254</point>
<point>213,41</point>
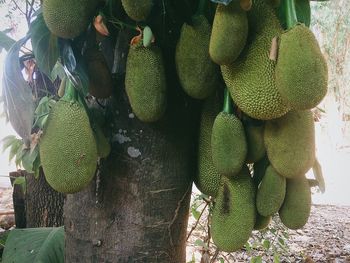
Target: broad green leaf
<point>42,111</point>
<point>8,141</point>
<point>21,181</point>
<point>266,244</point>
<point>15,148</point>
<point>29,158</point>
<point>40,245</point>
<point>317,170</point>
<point>45,45</point>
<point>195,213</point>
<point>18,99</point>
<point>6,42</point>
<point>58,71</point>
<point>302,9</point>
<point>276,258</point>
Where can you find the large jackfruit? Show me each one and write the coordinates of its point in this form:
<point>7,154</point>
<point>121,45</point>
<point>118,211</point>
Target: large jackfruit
<point>198,75</point>
<point>296,207</point>
<point>250,79</point>
<point>229,33</point>
<point>137,10</point>
<point>234,212</point>
<point>68,18</point>
<point>208,178</point>
<point>100,78</point>
<point>255,142</point>
<point>145,82</point>
<point>301,70</point>
<point>290,143</point>
<point>262,222</point>
<point>271,192</point>
<point>228,144</point>
<point>68,150</point>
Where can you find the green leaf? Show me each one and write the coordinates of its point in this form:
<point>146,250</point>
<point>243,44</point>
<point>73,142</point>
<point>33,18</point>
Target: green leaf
<point>6,42</point>
<point>317,170</point>
<point>281,241</point>
<point>8,141</point>
<point>45,45</point>
<point>29,158</point>
<point>266,244</point>
<point>303,11</point>
<point>18,99</point>
<point>195,213</point>
<point>21,181</point>
<point>42,111</point>
<point>15,148</point>
<point>58,71</point>
<point>35,245</point>
<point>200,243</point>
<point>257,259</point>
<point>276,258</point>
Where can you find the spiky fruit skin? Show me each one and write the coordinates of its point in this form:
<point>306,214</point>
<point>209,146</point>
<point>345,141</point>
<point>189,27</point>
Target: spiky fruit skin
<point>271,192</point>
<point>100,78</point>
<point>250,79</point>
<point>68,149</point>
<point>229,33</point>
<point>290,143</point>
<point>137,10</point>
<point>68,18</point>
<point>301,70</point>
<point>145,82</point>
<point>228,144</point>
<point>296,207</point>
<point>198,75</point>
<point>208,178</point>
<point>255,142</point>
<point>234,212</point>
<point>262,222</point>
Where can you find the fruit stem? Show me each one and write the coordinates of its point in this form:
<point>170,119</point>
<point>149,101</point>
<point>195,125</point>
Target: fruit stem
<point>70,93</point>
<point>201,7</point>
<point>227,102</point>
<point>291,14</point>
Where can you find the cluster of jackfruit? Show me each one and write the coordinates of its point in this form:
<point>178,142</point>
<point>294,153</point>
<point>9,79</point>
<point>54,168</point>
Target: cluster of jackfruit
<point>274,76</point>
<point>69,146</point>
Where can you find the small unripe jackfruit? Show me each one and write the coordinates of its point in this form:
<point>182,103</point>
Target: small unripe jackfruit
<point>208,178</point>
<point>296,207</point>
<point>145,82</point>
<point>271,192</point>
<point>290,143</point>
<point>301,70</point>
<point>255,142</point>
<point>137,10</point>
<point>228,144</point>
<point>229,33</point>
<point>198,75</point>
<point>234,212</point>
<point>68,18</point>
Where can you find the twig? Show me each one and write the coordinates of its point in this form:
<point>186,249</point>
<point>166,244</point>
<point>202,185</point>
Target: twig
<point>194,227</point>
<point>215,255</point>
<point>17,6</point>
<point>7,213</point>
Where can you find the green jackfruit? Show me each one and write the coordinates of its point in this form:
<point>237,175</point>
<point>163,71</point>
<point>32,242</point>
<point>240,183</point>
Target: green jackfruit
<point>68,18</point>
<point>296,207</point>
<point>255,142</point>
<point>100,78</point>
<point>262,222</point>
<point>290,143</point>
<point>234,212</point>
<point>137,10</point>
<point>145,82</point>
<point>250,79</point>
<point>271,192</point>
<point>68,149</point>
<point>259,169</point>
<point>301,70</point>
<point>208,178</point>
<point>198,75</point>
<point>228,144</point>
<point>229,33</point>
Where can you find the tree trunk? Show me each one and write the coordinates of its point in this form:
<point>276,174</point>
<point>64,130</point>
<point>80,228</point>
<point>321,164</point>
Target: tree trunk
<point>44,206</point>
<point>18,198</point>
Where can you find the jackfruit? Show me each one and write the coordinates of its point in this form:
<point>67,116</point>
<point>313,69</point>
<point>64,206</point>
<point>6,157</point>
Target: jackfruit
<point>296,207</point>
<point>290,143</point>
<point>198,75</point>
<point>145,82</point>
<point>68,18</point>
<point>234,212</point>
<point>255,142</point>
<point>137,10</point>
<point>228,144</point>
<point>229,33</point>
<point>100,78</point>
<point>271,192</point>
<point>68,149</point>
<point>301,70</point>
<point>250,79</point>
<point>262,222</point>
<point>208,178</point>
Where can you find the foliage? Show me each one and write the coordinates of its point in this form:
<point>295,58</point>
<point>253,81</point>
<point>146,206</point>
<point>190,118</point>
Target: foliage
<point>35,245</point>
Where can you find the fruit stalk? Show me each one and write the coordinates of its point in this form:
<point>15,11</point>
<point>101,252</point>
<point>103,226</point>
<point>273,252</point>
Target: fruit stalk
<point>291,14</point>
<point>227,102</point>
